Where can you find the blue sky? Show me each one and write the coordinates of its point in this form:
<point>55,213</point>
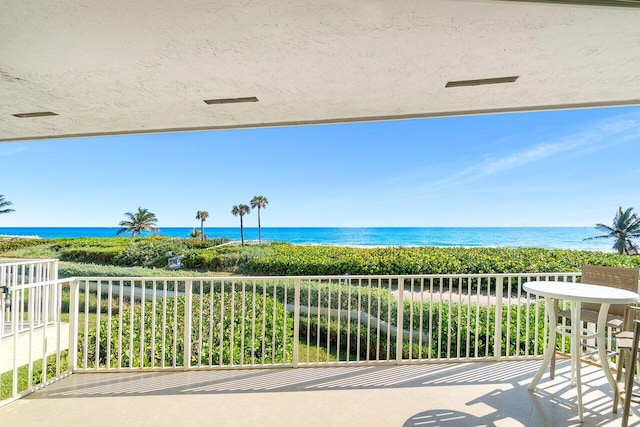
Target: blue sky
<point>556,168</point>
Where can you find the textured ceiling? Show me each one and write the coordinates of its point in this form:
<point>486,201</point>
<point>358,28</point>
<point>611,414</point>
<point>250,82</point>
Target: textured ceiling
<point>111,67</point>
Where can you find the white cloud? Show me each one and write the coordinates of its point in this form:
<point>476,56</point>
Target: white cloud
<point>599,136</point>
<point>8,149</point>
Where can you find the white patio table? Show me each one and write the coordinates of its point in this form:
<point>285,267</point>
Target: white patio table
<point>576,294</point>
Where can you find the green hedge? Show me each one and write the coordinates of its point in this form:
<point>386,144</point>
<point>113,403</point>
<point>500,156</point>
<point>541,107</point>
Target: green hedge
<point>90,255</point>
<point>149,253</point>
<point>441,320</point>
<point>209,243</point>
<point>285,259</point>
<point>74,269</point>
<point>14,244</point>
<point>226,258</point>
<point>435,320</point>
<point>278,334</point>
<point>446,320</point>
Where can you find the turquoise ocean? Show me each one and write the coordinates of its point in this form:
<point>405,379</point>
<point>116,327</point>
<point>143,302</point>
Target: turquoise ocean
<point>538,237</point>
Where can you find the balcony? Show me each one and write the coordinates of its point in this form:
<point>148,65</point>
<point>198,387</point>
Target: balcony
<point>384,350</point>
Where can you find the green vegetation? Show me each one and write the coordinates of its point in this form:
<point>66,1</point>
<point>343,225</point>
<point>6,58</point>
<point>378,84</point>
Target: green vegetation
<point>456,329</point>
<point>109,256</point>
<point>626,226</point>
<point>76,269</point>
<point>233,340</point>
<point>148,256</point>
<point>285,259</point>
<point>444,321</point>
<point>6,379</point>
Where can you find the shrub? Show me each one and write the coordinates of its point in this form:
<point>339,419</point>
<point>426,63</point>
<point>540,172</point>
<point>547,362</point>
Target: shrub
<point>149,252</point>
<point>285,259</point>
<point>229,258</point>
<point>216,339</point>
<point>67,269</point>
<point>208,243</point>
<point>91,255</point>
<point>13,244</point>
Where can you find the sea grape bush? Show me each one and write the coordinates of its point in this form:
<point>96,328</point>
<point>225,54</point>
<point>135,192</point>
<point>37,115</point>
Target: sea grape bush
<point>14,244</point>
<point>443,320</point>
<point>216,338</point>
<point>148,253</point>
<point>227,258</point>
<point>285,259</point>
<point>458,329</point>
<point>452,327</point>
<point>91,255</point>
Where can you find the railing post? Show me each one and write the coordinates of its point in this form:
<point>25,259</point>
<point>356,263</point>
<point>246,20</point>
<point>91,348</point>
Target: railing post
<point>15,302</point>
<point>400,321</point>
<point>53,276</point>
<point>46,291</point>
<point>188,307</point>
<point>497,349</point>
<point>296,322</point>
<point>74,306</point>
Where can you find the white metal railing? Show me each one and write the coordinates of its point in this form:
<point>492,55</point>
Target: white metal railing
<point>124,324</point>
<point>21,273</point>
<point>34,345</point>
<point>184,323</point>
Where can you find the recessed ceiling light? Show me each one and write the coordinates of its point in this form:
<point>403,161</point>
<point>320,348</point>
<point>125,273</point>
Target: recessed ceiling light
<point>478,82</point>
<point>38,114</point>
<point>230,100</point>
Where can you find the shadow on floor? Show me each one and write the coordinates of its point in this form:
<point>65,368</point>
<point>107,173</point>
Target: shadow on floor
<point>289,380</point>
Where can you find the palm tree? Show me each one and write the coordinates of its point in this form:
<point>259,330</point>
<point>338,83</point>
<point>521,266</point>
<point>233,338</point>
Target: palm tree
<point>626,225</point>
<point>241,210</point>
<point>202,216</point>
<point>259,202</point>
<point>3,205</point>
<point>138,222</point>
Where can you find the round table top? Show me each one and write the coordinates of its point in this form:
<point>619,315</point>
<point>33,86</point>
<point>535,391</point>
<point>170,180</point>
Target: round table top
<point>584,292</point>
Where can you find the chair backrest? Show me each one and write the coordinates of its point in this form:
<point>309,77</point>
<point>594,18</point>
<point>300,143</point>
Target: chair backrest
<point>616,277</point>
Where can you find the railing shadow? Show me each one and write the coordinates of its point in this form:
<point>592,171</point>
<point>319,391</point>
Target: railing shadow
<point>515,373</point>
<point>513,402</point>
<point>509,391</point>
<point>290,380</point>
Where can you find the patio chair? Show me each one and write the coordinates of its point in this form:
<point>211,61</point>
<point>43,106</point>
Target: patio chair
<point>628,347</point>
<point>624,362</point>
<point>622,278</point>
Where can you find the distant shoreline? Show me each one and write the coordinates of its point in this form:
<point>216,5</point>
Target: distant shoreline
<point>17,236</point>
<point>369,237</point>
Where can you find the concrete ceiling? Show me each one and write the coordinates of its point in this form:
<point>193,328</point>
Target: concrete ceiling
<point>113,67</point>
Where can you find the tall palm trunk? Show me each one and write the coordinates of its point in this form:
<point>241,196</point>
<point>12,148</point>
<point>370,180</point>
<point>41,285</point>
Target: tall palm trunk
<point>259,228</point>
<point>202,229</point>
<point>241,230</point>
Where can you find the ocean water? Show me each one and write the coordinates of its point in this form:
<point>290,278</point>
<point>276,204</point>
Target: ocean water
<point>539,237</point>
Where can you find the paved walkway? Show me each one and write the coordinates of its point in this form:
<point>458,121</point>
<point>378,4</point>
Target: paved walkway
<point>461,394</point>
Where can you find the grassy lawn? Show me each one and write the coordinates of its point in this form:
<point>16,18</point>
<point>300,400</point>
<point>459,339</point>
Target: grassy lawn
<point>6,379</point>
<point>309,353</point>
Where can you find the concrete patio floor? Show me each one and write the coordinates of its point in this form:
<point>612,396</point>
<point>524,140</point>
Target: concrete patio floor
<point>443,394</point>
